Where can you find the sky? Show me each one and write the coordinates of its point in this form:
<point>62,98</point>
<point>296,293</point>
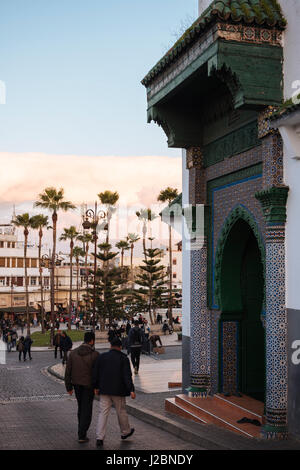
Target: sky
<point>74,114</point>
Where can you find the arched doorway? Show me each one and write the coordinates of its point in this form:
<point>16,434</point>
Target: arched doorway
<point>242,336</point>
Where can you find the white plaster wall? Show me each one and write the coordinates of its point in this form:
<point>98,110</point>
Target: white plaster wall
<point>291,69</point>
<point>202,5</point>
<point>291,11</point>
<point>292,178</point>
<point>186,263</point>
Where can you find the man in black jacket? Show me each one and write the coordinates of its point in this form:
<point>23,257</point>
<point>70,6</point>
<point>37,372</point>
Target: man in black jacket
<point>136,338</point>
<point>112,380</point>
<point>66,345</point>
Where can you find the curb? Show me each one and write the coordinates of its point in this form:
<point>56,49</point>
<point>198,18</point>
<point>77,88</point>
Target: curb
<point>55,374</point>
<point>164,423</point>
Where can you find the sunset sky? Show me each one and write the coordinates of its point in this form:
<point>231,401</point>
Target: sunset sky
<point>75,110</point>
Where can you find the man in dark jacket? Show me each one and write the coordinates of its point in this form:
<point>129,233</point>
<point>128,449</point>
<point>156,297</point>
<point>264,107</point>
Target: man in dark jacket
<point>66,345</point>
<point>78,376</point>
<point>136,337</point>
<point>112,380</point>
<point>57,345</point>
<point>27,347</point>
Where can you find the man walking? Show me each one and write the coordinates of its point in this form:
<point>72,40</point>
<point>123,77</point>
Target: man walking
<point>136,338</point>
<point>27,347</point>
<point>66,345</point>
<point>57,344</point>
<point>78,376</point>
<point>112,380</point>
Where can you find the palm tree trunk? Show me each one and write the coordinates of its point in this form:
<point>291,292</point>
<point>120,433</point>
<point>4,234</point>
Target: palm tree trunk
<point>41,281</point>
<point>171,278</point>
<point>71,284</point>
<point>77,284</point>
<point>52,283</point>
<point>131,265</point>
<point>144,240</point>
<point>26,282</point>
<point>87,276</point>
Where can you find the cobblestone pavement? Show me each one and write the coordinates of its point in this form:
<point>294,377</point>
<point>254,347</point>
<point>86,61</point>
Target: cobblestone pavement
<point>37,414</point>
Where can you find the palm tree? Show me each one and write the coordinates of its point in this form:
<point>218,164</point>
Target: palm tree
<point>146,216</point>
<point>53,200</point>
<point>132,238</point>
<point>168,195</point>
<point>122,245</point>
<point>78,252</point>
<point>109,199</point>
<point>39,222</point>
<point>70,234</point>
<point>25,221</point>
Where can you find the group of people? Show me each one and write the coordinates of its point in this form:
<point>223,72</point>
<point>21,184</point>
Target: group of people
<point>107,375</point>
<point>24,347</point>
<point>10,337</point>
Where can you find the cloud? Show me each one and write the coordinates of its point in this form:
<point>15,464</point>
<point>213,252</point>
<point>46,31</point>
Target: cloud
<point>137,179</point>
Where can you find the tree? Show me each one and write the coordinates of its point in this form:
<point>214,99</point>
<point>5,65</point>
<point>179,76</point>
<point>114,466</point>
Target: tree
<point>53,200</point>
<point>109,199</point>
<point>168,195</point>
<point>108,282</point>
<point>145,216</point>
<point>78,253</point>
<point>132,238</point>
<point>122,245</point>
<point>151,277</point>
<point>25,221</point>
<point>70,234</point>
<point>39,222</point>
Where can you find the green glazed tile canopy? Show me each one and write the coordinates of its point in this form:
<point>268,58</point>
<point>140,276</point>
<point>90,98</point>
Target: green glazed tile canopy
<point>288,107</point>
<point>266,13</point>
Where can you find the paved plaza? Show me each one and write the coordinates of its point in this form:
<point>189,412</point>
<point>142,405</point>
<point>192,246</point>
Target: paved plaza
<point>36,413</point>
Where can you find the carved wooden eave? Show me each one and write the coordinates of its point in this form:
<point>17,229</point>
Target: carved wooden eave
<point>229,67</point>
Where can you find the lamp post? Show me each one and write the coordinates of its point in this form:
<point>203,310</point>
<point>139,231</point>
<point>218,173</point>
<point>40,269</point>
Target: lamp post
<point>90,222</point>
<point>46,262</point>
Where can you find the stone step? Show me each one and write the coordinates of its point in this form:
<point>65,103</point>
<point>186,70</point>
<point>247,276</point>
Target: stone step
<point>174,384</point>
<point>254,408</point>
<point>172,407</point>
<point>218,411</point>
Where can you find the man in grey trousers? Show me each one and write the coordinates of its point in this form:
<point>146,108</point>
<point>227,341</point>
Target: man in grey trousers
<point>112,380</point>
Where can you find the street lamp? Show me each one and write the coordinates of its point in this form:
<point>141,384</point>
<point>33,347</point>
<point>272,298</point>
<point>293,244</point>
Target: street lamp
<point>90,222</point>
<point>46,262</point>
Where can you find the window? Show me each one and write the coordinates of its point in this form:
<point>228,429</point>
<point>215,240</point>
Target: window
<point>174,275</point>
<point>13,245</point>
<point>33,281</point>
<point>46,281</point>
<point>174,262</point>
<point>13,262</point>
<point>27,262</point>
<point>8,244</point>
<point>20,263</point>
<point>33,262</point>
<point>2,281</point>
<point>2,262</point>
<point>19,281</point>
<point>1,244</point>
